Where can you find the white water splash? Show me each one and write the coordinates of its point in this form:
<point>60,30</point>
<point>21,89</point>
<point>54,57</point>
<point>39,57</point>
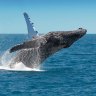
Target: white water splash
<point>30,57</point>
<point>7,63</point>
<point>19,67</point>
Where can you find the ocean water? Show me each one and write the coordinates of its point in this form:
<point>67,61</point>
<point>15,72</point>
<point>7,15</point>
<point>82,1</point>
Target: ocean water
<point>69,72</point>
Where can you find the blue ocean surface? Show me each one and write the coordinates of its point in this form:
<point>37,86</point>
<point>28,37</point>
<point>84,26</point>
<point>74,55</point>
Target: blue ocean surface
<point>69,72</point>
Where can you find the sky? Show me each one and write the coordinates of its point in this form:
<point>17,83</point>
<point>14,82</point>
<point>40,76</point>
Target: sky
<point>47,15</point>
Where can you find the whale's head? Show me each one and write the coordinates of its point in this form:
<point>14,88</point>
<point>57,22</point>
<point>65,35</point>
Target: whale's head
<point>73,36</point>
<point>64,39</point>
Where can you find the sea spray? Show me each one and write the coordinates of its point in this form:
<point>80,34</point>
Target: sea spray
<point>6,58</point>
<point>25,58</point>
<point>9,61</point>
<point>30,57</point>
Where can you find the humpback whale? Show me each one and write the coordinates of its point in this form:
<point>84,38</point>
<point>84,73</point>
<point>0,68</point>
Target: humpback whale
<point>35,51</point>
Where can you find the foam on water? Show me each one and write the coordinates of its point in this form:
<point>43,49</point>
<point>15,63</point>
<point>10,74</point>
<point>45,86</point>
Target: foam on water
<point>19,67</point>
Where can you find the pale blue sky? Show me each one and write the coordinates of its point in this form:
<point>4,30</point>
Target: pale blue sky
<point>47,15</point>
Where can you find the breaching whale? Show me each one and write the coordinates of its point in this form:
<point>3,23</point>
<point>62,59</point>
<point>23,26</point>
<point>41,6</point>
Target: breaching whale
<point>34,52</point>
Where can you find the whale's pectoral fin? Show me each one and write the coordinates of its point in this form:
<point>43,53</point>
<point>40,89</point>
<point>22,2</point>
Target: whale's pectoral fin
<point>30,26</point>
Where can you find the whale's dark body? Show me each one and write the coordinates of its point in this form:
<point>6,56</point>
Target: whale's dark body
<point>40,48</point>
